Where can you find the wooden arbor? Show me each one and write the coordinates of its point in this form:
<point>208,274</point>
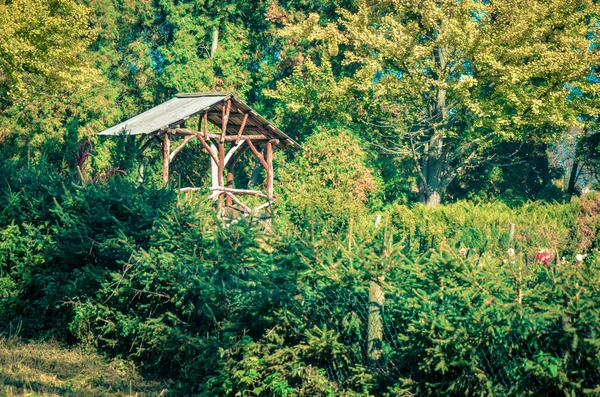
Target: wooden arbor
<point>239,128</point>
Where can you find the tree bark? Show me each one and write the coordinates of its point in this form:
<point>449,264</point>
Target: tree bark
<point>573,179</point>
<point>215,41</point>
<point>375,325</point>
<point>432,187</point>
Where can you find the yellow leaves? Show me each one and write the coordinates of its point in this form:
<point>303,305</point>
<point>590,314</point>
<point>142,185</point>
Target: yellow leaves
<point>313,31</point>
<point>45,40</point>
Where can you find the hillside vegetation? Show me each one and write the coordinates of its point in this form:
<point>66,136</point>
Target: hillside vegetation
<point>436,234</point>
<point>146,274</point>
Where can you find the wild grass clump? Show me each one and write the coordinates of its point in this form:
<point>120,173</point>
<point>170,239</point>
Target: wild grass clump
<point>49,369</point>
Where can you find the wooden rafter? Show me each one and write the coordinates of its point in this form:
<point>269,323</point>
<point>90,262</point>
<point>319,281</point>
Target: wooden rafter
<point>257,154</point>
<point>241,130</point>
<point>178,149</point>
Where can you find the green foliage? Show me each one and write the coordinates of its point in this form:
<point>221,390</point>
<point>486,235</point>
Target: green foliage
<point>484,228</point>
<point>441,82</point>
<point>59,238</point>
<point>20,260</point>
<point>331,181</point>
<point>143,274</point>
<point>492,328</point>
<point>44,43</point>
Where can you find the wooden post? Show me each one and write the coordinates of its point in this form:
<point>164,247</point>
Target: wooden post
<point>220,167</point>
<point>375,325</point>
<point>214,165</point>
<point>270,170</point>
<point>166,153</point>
<point>228,201</point>
<point>511,235</point>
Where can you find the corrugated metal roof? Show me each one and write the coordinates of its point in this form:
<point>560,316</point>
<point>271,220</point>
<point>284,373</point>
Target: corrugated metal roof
<point>165,115</point>
<point>175,111</point>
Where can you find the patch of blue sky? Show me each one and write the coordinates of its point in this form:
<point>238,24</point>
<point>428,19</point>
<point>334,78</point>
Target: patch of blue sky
<point>379,76</point>
<point>158,61</point>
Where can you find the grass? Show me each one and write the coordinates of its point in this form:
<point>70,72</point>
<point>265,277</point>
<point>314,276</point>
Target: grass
<point>45,369</point>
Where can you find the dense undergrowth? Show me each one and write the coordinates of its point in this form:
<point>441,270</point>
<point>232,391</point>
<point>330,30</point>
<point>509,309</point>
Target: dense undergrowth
<point>142,273</point>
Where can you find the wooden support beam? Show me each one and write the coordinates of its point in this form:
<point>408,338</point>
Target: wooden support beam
<point>241,131</point>
<point>146,145</point>
<point>221,165</point>
<point>200,137</point>
<point>229,185</point>
<point>226,110</point>
<point>178,149</point>
<point>262,206</point>
<point>190,189</point>
<point>228,138</point>
<point>166,151</point>
<point>239,191</point>
<point>231,196</point>
<point>230,160</point>
<point>231,154</point>
<point>205,145</point>
<point>233,138</point>
<point>270,175</point>
<point>257,154</point>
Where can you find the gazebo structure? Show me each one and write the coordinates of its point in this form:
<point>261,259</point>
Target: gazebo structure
<point>238,128</point>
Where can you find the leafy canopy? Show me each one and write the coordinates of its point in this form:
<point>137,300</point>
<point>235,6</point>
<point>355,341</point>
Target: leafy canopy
<point>444,79</point>
<point>42,39</point>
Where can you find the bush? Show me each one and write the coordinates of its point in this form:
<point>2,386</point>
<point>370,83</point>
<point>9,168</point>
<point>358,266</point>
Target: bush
<point>330,183</point>
<point>59,237</point>
<point>145,274</point>
<point>484,228</point>
<point>233,310</point>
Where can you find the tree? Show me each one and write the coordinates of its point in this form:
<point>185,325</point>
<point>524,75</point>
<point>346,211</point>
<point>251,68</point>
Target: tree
<point>442,81</point>
<point>42,39</point>
<point>586,159</point>
<point>332,180</point>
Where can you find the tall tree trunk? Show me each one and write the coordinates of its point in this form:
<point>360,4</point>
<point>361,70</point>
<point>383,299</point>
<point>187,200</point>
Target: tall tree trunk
<point>545,165</point>
<point>432,188</point>
<point>215,41</point>
<point>573,179</point>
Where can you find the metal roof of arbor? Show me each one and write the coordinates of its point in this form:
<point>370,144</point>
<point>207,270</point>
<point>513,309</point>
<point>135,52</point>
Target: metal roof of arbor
<point>183,106</point>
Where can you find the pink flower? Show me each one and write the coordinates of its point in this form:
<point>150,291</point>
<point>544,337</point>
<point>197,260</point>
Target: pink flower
<point>510,252</point>
<point>544,257</point>
<point>462,251</point>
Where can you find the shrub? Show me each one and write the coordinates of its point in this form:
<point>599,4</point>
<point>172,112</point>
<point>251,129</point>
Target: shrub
<point>58,239</point>
<point>484,228</point>
<point>330,182</point>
